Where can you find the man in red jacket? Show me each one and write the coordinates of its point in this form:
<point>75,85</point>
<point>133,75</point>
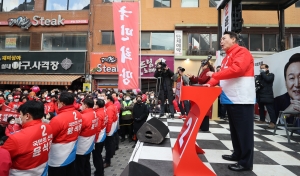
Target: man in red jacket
<point>100,137</point>
<point>66,129</point>
<point>15,104</point>
<point>110,129</point>
<point>49,105</point>
<point>30,147</point>
<point>86,139</point>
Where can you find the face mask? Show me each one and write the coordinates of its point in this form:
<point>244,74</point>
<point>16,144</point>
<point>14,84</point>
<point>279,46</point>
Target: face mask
<point>75,93</point>
<point>262,70</point>
<point>10,98</point>
<point>48,101</point>
<point>139,101</point>
<point>101,98</point>
<point>151,96</point>
<point>16,100</point>
<point>12,122</point>
<point>108,92</point>
<point>25,93</point>
<point>119,98</point>
<point>127,98</point>
<point>52,93</point>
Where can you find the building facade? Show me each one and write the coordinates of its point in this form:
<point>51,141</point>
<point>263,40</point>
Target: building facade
<point>86,26</point>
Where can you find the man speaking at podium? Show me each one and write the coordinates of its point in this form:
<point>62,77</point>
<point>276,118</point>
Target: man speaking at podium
<point>238,95</point>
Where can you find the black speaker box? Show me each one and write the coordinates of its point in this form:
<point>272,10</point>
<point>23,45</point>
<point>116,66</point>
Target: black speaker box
<point>153,131</point>
<point>136,169</point>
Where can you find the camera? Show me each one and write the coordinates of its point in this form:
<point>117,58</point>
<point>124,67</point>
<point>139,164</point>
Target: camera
<point>258,84</point>
<point>161,66</point>
<point>204,62</point>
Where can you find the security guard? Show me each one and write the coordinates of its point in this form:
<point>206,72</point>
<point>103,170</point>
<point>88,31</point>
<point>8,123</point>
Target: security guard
<point>126,120</point>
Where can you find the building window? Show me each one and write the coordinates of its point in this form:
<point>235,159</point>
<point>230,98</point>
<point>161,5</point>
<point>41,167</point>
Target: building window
<point>189,3</point>
<point>14,41</point>
<point>67,5</point>
<point>162,40</point>
<point>202,44</point>
<point>108,38</point>
<point>297,4</point>
<point>296,40</point>
<point>64,41</point>
<point>270,42</point>
<point>17,5</point>
<point>255,42</point>
<point>214,3</point>
<point>162,3</point>
<point>146,40</point>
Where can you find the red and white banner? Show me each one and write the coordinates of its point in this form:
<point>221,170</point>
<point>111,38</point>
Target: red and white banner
<point>6,112</point>
<point>126,31</point>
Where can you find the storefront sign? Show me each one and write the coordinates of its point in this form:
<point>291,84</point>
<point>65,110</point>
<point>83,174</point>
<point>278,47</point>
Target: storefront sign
<point>42,62</point>
<point>24,22</point>
<point>103,63</point>
<point>148,64</point>
<point>178,43</point>
<point>126,31</point>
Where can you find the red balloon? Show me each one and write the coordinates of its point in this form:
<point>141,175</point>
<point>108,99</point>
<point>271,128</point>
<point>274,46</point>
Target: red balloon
<point>35,89</point>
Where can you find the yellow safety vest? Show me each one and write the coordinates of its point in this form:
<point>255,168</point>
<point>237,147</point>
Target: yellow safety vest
<point>128,112</point>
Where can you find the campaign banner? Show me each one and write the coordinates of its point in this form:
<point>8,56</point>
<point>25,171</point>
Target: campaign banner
<point>103,63</point>
<point>6,112</point>
<point>226,17</point>
<point>126,33</point>
<point>178,43</point>
<point>148,64</point>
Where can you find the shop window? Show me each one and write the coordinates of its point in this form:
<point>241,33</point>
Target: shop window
<point>270,42</point>
<point>255,42</point>
<point>201,44</point>
<point>214,3</point>
<point>64,41</point>
<point>162,3</point>
<point>145,40</point>
<point>67,5</point>
<point>189,3</point>
<point>14,42</point>
<point>162,40</point>
<point>297,4</point>
<point>108,38</point>
<point>17,5</point>
<point>244,40</point>
<point>296,40</point>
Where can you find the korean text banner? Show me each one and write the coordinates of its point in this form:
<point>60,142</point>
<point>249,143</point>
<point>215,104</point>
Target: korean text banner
<point>42,62</point>
<point>148,64</point>
<point>103,63</point>
<point>126,31</point>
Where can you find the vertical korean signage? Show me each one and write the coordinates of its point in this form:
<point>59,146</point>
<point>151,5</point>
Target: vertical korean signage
<point>126,31</point>
<point>178,43</point>
<point>226,17</point>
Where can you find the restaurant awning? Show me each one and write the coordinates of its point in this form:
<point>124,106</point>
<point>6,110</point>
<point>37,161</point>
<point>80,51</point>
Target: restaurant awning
<point>63,80</point>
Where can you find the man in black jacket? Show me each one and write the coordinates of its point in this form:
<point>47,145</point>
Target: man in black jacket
<point>265,96</point>
<point>164,75</point>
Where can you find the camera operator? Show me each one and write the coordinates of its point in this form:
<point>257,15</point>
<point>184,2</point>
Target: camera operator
<point>180,73</point>
<point>165,88</point>
<point>264,95</point>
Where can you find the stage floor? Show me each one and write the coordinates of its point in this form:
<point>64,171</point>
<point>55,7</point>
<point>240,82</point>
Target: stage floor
<point>273,155</point>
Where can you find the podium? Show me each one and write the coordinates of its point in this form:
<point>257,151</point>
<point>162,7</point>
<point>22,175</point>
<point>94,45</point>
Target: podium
<point>185,158</point>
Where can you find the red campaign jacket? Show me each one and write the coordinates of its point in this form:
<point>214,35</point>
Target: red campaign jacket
<point>29,148</point>
<point>76,105</point>
<point>11,129</point>
<point>102,123</point>
<point>5,162</point>
<point>111,112</point>
<point>14,105</point>
<point>88,131</point>
<point>66,129</point>
<point>117,104</point>
<point>49,107</point>
<point>202,79</point>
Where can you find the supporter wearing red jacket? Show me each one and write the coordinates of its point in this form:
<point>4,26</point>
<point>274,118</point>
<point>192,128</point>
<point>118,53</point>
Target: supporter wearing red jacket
<point>86,139</point>
<point>66,129</point>
<point>110,129</point>
<point>12,126</point>
<point>5,162</point>
<point>15,104</point>
<point>100,137</point>
<point>29,148</point>
<point>49,105</point>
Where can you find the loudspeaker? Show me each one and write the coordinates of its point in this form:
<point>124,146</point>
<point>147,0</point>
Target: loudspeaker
<point>237,20</point>
<point>205,124</point>
<point>153,131</point>
<point>136,169</point>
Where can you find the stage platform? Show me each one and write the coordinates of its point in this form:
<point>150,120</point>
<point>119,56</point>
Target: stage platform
<point>273,155</point>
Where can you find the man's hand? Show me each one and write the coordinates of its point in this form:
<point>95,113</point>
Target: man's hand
<point>206,85</point>
<point>296,105</point>
<point>210,73</point>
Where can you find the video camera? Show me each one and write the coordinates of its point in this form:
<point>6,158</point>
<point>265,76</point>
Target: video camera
<point>204,62</point>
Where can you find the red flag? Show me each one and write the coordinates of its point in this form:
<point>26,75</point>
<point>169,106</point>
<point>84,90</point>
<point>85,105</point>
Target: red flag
<point>126,31</point>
